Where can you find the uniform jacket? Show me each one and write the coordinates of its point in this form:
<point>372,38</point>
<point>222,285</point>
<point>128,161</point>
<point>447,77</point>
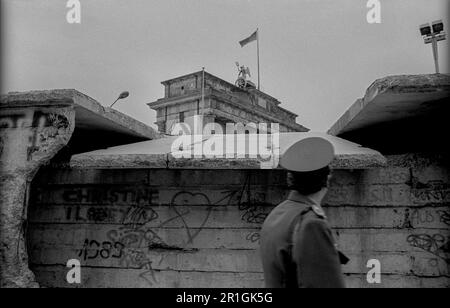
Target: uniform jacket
<point>298,248</point>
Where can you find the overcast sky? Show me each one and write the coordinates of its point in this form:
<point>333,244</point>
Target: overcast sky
<point>317,56</point>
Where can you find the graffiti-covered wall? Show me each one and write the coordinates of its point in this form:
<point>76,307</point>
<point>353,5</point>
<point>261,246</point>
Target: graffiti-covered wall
<point>398,215</point>
<point>29,138</point>
<point>200,228</point>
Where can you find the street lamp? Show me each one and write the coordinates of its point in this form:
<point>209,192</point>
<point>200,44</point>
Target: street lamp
<point>121,96</point>
<point>433,34</point>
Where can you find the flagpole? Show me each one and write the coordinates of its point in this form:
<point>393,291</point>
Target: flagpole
<point>257,50</point>
<point>203,89</point>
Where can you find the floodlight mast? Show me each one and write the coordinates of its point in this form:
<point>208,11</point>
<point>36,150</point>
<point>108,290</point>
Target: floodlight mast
<point>433,34</point>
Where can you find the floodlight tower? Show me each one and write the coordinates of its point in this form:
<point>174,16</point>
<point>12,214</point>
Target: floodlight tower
<point>433,37</point>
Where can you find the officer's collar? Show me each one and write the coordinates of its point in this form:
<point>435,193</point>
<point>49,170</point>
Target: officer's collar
<point>297,197</point>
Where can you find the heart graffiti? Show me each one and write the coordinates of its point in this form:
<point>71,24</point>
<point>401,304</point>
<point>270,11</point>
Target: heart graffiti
<point>184,198</point>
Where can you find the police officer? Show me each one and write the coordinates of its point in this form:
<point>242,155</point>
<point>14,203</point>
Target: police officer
<point>297,245</point>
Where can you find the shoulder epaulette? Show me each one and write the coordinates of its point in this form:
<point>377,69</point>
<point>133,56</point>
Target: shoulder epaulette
<point>318,211</point>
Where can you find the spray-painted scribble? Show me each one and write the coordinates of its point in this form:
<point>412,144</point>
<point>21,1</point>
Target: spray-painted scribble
<point>436,244</point>
<point>444,217</point>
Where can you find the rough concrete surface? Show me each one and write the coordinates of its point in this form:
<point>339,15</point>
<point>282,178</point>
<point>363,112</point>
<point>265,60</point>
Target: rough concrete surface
<point>30,137</point>
<point>159,154</point>
<point>89,111</point>
<point>393,98</point>
<point>34,127</point>
<point>200,228</point>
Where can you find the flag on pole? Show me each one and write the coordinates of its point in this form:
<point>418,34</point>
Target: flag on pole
<point>249,39</point>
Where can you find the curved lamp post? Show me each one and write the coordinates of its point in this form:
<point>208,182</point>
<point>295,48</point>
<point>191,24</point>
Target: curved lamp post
<point>121,96</point>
